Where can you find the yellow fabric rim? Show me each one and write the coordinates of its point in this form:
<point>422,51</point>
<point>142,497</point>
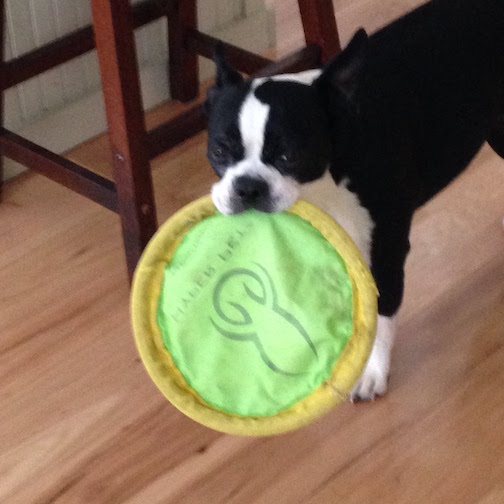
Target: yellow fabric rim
<point>146,289</point>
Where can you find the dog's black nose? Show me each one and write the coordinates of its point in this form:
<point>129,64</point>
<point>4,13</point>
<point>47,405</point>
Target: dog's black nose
<point>250,190</point>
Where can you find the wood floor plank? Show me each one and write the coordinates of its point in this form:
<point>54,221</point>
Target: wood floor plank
<point>81,422</point>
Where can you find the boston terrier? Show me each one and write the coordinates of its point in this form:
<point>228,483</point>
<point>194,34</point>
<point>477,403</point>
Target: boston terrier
<point>369,138</point>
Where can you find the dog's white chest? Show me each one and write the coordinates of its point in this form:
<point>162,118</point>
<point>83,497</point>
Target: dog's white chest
<point>344,207</point>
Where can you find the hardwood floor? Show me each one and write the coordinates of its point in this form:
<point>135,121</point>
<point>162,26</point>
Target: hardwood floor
<point>81,423</point>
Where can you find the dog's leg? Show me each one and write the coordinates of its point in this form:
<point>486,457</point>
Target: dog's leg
<point>389,251</point>
<point>374,379</point>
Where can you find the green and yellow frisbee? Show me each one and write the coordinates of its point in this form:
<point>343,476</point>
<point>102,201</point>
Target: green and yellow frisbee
<point>256,323</point>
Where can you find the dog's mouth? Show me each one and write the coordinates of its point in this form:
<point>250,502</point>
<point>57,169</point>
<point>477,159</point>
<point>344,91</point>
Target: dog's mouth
<point>265,207</point>
<point>235,205</point>
<point>246,192</point>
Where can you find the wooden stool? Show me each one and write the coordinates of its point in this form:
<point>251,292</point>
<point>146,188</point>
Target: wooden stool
<point>131,193</point>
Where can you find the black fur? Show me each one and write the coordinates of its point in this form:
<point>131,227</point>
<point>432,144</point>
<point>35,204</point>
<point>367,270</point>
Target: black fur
<point>297,139</point>
<point>428,95</point>
<point>399,115</point>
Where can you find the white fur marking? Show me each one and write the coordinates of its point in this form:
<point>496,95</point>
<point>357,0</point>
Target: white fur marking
<point>344,207</point>
<point>374,379</point>
<point>252,123</point>
<point>307,77</point>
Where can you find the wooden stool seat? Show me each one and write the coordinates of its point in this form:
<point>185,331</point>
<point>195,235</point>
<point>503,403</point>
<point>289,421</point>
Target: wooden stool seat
<point>131,193</point>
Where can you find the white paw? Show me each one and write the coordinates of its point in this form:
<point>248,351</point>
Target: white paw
<point>371,384</point>
<point>374,380</point>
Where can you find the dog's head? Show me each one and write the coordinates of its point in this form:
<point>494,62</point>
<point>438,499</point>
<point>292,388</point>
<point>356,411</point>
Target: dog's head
<point>268,136</point>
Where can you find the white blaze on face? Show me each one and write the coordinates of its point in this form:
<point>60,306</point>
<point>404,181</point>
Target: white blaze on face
<point>252,124</point>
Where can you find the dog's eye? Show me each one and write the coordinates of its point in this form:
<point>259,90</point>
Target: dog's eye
<point>284,161</point>
<point>219,154</point>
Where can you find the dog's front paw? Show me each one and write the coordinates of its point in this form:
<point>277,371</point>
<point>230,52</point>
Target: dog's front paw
<point>374,380</point>
<point>372,383</point>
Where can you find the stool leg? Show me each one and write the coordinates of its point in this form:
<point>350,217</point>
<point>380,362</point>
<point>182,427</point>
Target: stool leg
<point>319,25</point>
<point>115,44</point>
<point>183,64</point>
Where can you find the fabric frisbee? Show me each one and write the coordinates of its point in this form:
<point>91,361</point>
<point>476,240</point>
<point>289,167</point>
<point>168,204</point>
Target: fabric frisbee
<point>256,323</point>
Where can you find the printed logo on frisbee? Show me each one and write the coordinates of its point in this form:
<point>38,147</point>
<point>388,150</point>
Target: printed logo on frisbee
<point>246,316</point>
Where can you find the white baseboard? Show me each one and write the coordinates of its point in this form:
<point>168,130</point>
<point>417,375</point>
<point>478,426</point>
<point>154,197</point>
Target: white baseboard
<point>63,129</point>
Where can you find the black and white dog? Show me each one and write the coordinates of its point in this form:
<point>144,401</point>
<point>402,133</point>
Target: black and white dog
<point>371,137</point>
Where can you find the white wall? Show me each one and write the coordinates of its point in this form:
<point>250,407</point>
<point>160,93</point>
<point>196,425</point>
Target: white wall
<point>45,109</point>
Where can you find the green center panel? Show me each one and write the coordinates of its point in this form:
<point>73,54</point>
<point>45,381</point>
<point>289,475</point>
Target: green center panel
<point>255,309</point>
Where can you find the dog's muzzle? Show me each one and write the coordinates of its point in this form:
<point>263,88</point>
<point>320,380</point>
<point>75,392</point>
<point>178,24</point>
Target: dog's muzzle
<point>265,190</point>
<point>252,192</point>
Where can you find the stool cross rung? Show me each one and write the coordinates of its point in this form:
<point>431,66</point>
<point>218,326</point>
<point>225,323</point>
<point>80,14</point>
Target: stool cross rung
<point>112,33</point>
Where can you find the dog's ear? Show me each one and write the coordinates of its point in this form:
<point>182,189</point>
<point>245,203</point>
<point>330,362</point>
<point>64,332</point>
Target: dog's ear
<point>343,71</point>
<point>225,76</point>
